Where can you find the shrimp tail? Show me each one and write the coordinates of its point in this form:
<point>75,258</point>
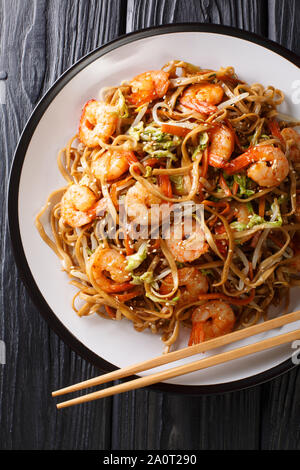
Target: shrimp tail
<point>197,334</point>
<point>252,155</point>
<point>216,161</point>
<point>240,162</point>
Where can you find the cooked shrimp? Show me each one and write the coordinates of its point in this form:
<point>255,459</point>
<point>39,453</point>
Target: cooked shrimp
<point>290,134</point>
<point>112,164</point>
<point>98,120</point>
<point>268,165</point>
<point>78,205</point>
<point>192,281</point>
<point>242,215</point>
<point>202,97</point>
<point>269,175</point>
<point>221,145</point>
<point>212,319</point>
<point>138,203</point>
<point>108,262</point>
<point>186,241</point>
<point>148,86</point>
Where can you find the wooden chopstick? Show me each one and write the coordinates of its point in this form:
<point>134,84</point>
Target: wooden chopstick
<point>182,353</point>
<point>186,368</point>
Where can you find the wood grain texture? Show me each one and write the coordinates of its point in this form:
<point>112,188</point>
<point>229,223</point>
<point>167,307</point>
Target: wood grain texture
<point>281,413</point>
<point>35,53</point>
<point>284,23</point>
<point>39,40</point>
<point>225,421</point>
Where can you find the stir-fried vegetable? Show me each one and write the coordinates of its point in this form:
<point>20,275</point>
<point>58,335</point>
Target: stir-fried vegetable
<point>134,261</point>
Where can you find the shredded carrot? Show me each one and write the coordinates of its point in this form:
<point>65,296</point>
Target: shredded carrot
<point>113,195</point>
<point>224,186</point>
<point>114,187</point>
<point>110,311</point>
<point>165,185</point>
<point>212,222</point>
<point>232,300</point>
<point>222,245</point>
<point>175,130</point>
<point>250,271</point>
<point>151,162</point>
<point>128,296</point>
<point>226,210</point>
<point>216,204</point>
<point>129,249</point>
<point>205,163</point>
<point>261,206</point>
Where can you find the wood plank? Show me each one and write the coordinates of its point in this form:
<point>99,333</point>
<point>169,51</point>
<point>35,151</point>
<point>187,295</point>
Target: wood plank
<point>141,424</point>
<point>280,413</point>
<point>155,420</point>
<point>280,397</point>
<point>250,14</point>
<point>284,21</point>
<point>38,41</point>
<point>225,421</point>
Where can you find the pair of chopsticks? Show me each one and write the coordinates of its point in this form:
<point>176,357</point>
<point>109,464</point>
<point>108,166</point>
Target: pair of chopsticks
<point>183,353</point>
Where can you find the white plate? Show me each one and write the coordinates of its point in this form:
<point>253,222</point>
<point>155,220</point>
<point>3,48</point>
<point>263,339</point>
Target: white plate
<point>35,174</point>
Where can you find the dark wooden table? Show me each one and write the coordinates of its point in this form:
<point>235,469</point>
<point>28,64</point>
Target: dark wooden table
<point>39,40</point>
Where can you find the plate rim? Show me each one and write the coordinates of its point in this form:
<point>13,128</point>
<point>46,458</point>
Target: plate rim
<point>13,193</point>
